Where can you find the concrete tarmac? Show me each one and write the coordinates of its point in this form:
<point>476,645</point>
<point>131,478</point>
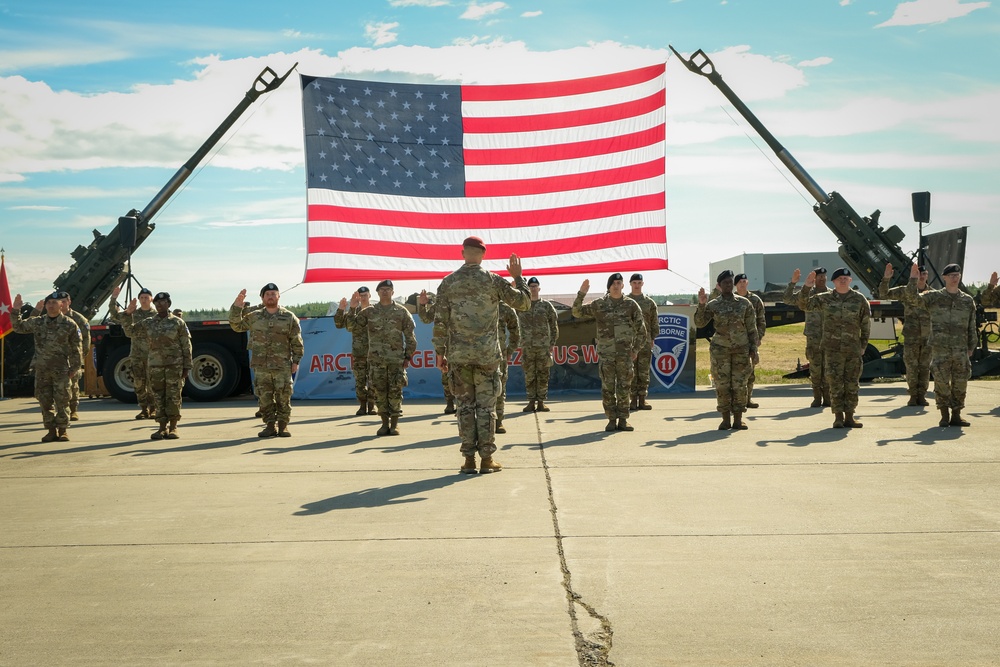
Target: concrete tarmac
<point>791,543</point>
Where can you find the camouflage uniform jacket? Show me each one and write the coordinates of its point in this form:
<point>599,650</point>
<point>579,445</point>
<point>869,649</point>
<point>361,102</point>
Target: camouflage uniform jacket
<point>390,333</point>
<point>169,340</point>
<point>425,311</point>
<point>466,314</point>
<point>735,322</point>
<point>916,320</point>
<point>814,319</point>
<point>275,338</point>
<point>953,317</point>
<point>649,317</point>
<point>140,343</point>
<point>539,326</point>
<point>84,325</point>
<point>758,309</point>
<point>620,329</point>
<point>57,340</point>
<point>990,296</point>
<point>359,335</point>
<point>847,318</point>
<point>508,330</point>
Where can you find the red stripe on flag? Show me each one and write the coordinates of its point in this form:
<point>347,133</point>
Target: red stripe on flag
<point>546,248</point>
<point>496,220</point>
<point>563,119</point>
<point>527,91</point>
<point>590,179</point>
<point>568,151</point>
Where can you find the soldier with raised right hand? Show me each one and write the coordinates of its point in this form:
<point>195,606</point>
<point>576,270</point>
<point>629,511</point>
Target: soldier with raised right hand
<point>344,318</point>
<point>539,332</point>
<point>138,349</point>
<point>813,332</point>
<point>916,334</point>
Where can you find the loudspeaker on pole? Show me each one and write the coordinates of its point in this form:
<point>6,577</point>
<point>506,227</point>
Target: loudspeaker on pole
<point>921,206</point>
<point>126,231</point>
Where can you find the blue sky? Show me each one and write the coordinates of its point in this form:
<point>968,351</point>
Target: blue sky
<point>101,102</point>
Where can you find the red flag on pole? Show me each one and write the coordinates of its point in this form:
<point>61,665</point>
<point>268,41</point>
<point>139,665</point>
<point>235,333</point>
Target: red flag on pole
<point>6,305</point>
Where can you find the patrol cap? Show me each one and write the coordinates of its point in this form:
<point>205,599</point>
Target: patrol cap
<point>533,281</point>
<point>820,271</point>
<point>842,271</point>
<point>58,295</point>
<point>384,283</point>
<point>363,290</point>
<point>951,268</point>
<point>613,277</point>
<point>268,287</point>
<point>145,290</point>
<point>725,274</point>
<point>474,242</point>
<point>162,296</point>
<point>635,276</point>
<point>740,276</point>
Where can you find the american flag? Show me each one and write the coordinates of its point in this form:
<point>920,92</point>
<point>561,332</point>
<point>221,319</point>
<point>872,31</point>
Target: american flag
<point>569,175</point>
<point>6,305</point>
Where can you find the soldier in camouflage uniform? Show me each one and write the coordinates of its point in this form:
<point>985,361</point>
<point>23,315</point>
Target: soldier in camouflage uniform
<point>391,344</point>
<point>425,311</point>
<point>916,334</point>
<point>640,383</point>
<point>468,349</point>
<point>84,324</point>
<point>539,332</point>
<point>138,350</point>
<point>733,349</point>
<point>620,334</point>
<point>813,332</point>
<point>359,349</point>
<point>742,283</point>
<point>990,296</point>
<point>846,327</point>
<point>509,336</point>
<point>58,358</point>
<point>953,340</point>
<point>169,360</point>
<point>276,350</point>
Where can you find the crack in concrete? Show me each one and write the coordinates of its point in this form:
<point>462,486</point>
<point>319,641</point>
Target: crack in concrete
<point>593,646</point>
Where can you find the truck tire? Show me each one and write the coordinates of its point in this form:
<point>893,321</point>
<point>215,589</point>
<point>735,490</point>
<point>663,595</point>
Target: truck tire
<point>117,375</point>
<point>214,373</point>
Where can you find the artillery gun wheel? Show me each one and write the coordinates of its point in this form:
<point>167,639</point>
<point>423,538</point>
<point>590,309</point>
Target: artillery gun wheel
<point>214,373</point>
<point>117,375</point>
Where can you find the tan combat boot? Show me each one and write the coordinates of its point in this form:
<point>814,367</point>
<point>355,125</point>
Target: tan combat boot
<point>956,418</point>
<point>384,430</point>
<point>268,432</point>
<point>51,435</point>
<point>61,434</point>
<point>643,405</point>
<point>172,430</point>
<point>623,425</point>
<point>838,420</point>
<point>160,433</point>
<point>817,398</point>
<point>393,424</point>
<point>750,403</point>
<point>371,408</point>
<point>143,414</point>
<point>738,424</point>
<point>449,409</point>
<point>363,410</point>
<point>499,427</point>
<point>73,415</point>
<point>541,407</point>
<point>634,405</point>
<point>726,423</point>
<point>530,407</point>
<point>921,399</point>
<point>612,424</point>
<point>945,417</point>
<point>851,422</point>
<point>913,402</point>
<point>489,465</point>
<point>283,430</point>
<point>469,466</point>
<point>826,398</point>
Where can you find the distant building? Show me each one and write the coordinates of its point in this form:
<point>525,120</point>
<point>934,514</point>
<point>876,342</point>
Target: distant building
<point>768,272</point>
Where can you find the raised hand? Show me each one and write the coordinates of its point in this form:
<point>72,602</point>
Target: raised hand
<point>241,299</point>
<point>796,274</point>
<point>702,296</point>
<point>585,287</point>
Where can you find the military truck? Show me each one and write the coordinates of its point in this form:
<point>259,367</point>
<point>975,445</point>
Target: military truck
<point>220,357</point>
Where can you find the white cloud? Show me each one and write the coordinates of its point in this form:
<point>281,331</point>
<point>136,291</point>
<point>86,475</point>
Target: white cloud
<point>816,62</point>
<point>477,12</point>
<point>531,15</point>
<point>381,34</point>
<point>38,207</point>
<point>923,12</point>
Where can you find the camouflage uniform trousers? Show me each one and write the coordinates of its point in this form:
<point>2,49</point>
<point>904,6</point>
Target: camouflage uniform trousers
<point>616,374</point>
<point>952,370</point>
<point>166,384</point>
<point>388,381</point>
<point>140,380</point>
<point>274,394</point>
<point>449,393</point>
<point>815,355</point>
<point>730,369</point>
<point>362,377</point>
<point>917,357</point>
<point>74,392</point>
<point>502,393</point>
<point>640,383</point>
<point>476,390</point>
<point>843,373</point>
<point>52,389</point>
<point>536,364</point>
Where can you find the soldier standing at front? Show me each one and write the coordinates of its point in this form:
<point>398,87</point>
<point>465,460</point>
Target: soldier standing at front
<point>359,349</point>
<point>276,348</point>
<point>539,332</point>
<point>425,311</point>
<point>138,349</point>
<point>916,334</point>
<point>640,383</point>
<point>58,358</point>
<point>169,360</point>
<point>467,347</point>
<point>620,335</point>
<point>84,324</point>
<point>813,332</point>
<point>509,336</point>
<point>953,340</point>
<point>846,327</point>
<point>391,344</point>
<point>742,283</point>
<point>733,349</point>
